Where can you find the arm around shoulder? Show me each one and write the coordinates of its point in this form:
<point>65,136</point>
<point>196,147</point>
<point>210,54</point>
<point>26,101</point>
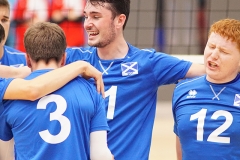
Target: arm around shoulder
<point>51,81</point>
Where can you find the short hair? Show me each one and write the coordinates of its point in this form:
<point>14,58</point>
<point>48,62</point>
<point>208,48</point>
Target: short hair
<point>117,7</point>
<point>228,28</point>
<point>45,41</point>
<point>2,33</point>
<point>5,3</point>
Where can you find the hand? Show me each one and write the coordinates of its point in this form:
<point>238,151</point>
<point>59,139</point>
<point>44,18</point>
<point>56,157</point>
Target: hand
<point>92,72</point>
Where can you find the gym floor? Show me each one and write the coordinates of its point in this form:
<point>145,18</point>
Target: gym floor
<point>163,139</point>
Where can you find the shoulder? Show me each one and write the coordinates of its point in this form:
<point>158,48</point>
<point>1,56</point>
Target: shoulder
<point>81,49</point>
<point>12,51</point>
<point>189,81</point>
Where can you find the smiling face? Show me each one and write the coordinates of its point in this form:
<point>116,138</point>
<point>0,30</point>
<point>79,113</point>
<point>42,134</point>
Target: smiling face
<point>4,20</point>
<point>99,25</point>
<point>221,59</point>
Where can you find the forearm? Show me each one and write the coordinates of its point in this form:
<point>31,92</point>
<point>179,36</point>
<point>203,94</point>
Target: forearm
<point>178,149</point>
<point>12,72</point>
<point>7,150</point>
<point>44,84</point>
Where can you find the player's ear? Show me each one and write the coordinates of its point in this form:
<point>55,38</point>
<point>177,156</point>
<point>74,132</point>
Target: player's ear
<point>28,61</point>
<point>120,20</point>
<point>63,61</point>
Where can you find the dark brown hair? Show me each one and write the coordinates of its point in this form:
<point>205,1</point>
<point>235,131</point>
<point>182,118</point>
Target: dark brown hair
<point>45,41</point>
<point>117,7</point>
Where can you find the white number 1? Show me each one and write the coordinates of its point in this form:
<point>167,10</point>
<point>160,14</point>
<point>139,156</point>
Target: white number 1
<point>112,93</point>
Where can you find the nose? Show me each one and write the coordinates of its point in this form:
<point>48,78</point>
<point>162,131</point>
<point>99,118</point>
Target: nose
<point>88,23</point>
<point>215,53</point>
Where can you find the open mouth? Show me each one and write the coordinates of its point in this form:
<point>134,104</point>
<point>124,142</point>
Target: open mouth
<point>212,65</point>
<point>93,33</point>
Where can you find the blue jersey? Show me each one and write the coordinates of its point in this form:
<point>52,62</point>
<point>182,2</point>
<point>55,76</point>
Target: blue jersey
<point>207,119</point>
<point>13,57</point>
<point>57,126</point>
<point>131,86</point>
<point>3,86</point>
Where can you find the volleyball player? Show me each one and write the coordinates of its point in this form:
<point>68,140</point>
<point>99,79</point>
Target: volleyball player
<point>206,109</point>
<point>69,123</point>
<point>131,77</point>
<point>42,85</point>
<point>8,55</point>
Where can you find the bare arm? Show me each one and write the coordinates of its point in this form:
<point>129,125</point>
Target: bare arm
<point>7,150</point>
<point>98,146</point>
<point>12,72</point>
<point>195,70</point>
<point>178,148</point>
<point>51,81</point>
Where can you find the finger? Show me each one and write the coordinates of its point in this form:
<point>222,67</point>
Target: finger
<point>102,88</point>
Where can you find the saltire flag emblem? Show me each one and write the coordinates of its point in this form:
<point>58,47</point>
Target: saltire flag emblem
<point>130,68</point>
<point>237,100</point>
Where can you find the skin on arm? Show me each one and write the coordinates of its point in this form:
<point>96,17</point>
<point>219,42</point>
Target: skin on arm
<point>178,149</point>
<point>7,150</point>
<point>51,81</point>
<point>12,72</point>
<point>195,70</point>
<point>98,146</point>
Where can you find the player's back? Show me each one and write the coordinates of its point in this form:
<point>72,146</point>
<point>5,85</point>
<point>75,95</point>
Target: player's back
<point>13,57</point>
<point>58,125</point>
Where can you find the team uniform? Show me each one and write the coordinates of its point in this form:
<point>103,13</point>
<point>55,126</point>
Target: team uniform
<point>207,119</point>
<point>131,86</point>
<point>3,86</point>
<point>13,57</point>
<point>58,125</point>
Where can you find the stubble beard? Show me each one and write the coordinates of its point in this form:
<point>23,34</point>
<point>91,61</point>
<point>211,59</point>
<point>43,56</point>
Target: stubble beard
<point>107,38</point>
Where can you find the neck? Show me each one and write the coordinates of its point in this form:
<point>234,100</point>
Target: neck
<point>52,64</point>
<point>115,50</point>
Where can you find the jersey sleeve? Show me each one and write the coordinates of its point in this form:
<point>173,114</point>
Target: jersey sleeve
<point>168,69</point>
<point>173,112</point>
<point>99,120</point>
<point>77,53</point>
<point>5,129</point>
<point>3,86</point>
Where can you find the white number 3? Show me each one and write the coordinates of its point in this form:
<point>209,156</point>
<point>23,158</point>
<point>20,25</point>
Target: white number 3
<point>57,115</point>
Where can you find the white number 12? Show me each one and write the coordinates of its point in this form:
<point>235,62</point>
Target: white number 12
<point>214,136</point>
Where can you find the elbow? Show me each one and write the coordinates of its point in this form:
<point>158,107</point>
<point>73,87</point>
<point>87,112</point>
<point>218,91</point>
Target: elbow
<point>32,93</point>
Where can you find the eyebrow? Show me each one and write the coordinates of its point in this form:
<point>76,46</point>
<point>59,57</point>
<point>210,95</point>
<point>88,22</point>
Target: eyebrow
<point>6,17</point>
<point>93,12</point>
